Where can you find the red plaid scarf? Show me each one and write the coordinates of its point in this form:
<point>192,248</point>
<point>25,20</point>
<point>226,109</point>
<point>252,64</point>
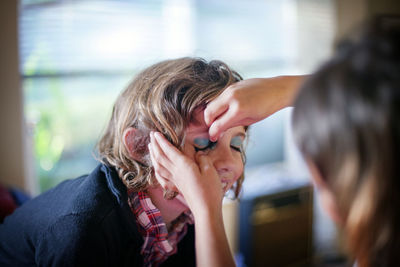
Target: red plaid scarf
<point>158,244</point>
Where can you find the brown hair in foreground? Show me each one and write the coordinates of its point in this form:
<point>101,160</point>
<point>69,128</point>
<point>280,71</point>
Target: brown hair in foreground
<point>161,98</point>
<point>347,122</point>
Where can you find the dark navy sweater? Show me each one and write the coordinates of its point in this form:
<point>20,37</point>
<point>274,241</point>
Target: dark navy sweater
<point>81,222</point>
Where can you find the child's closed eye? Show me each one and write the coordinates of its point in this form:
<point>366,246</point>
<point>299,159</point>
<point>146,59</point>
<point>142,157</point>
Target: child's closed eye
<point>236,143</point>
<point>201,144</point>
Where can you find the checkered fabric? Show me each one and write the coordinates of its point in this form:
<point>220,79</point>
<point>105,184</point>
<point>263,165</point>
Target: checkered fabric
<point>159,242</point>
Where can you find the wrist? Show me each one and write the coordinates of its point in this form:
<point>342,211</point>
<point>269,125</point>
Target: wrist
<point>291,85</point>
<point>207,212</point>
<point>281,89</point>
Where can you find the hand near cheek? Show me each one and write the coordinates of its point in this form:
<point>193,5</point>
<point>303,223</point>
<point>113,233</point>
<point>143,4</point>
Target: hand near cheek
<point>197,181</point>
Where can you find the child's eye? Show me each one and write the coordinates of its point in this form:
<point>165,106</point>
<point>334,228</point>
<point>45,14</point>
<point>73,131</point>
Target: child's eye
<point>236,143</point>
<point>203,144</point>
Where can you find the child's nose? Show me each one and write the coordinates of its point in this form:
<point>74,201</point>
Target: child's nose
<point>225,161</point>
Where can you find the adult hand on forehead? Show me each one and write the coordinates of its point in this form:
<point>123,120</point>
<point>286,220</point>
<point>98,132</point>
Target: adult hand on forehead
<point>197,181</point>
<point>249,101</point>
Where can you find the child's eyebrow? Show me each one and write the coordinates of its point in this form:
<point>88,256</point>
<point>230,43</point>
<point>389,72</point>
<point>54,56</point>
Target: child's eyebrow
<point>195,121</point>
<point>193,118</point>
<point>199,130</point>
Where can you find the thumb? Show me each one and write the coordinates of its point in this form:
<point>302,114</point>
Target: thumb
<point>204,163</point>
<point>214,109</point>
<point>227,120</point>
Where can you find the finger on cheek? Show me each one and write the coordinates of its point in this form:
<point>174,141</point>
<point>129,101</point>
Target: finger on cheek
<point>165,147</point>
<point>158,166</point>
<point>203,162</point>
<point>149,147</point>
<point>156,149</point>
<point>152,141</point>
<point>151,153</point>
<point>159,138</point>
<point>199,155</point>
<point>158,142</point>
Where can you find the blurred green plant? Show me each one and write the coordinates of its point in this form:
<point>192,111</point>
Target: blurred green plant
<point>50,120</point>
<point>48,146</point>
<point>48,149</point>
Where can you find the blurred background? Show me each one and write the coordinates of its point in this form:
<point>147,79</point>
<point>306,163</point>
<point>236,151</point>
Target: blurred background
<point>76,56</point>
<point>64,62</point>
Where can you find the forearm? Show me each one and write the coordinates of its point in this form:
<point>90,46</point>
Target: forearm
<point>293,84</point>
<point>286,88</point>
<point>212,248</point>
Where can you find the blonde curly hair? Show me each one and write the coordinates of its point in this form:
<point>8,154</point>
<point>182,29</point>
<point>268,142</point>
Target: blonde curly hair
<point>161,98</point>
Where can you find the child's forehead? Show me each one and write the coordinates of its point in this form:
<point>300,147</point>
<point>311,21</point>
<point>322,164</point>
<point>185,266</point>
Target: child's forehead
<point>197,124</point>
<point>198,116</point>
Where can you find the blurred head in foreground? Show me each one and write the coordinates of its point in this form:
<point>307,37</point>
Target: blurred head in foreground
<point>346,123</point>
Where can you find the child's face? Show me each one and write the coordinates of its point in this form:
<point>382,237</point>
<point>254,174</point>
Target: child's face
<point>225,154</point>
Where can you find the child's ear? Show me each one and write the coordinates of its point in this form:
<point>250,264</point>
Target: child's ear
<point>129,137</point>
<point>326,196</point>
